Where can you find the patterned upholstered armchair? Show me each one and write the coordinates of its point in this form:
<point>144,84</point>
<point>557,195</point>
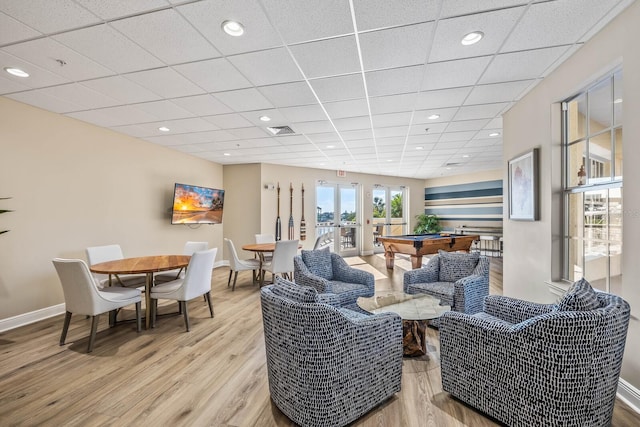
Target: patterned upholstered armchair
<point>529,364</point>
<point>327,366</point>
<point>329,273</point>
<point>460,280</point>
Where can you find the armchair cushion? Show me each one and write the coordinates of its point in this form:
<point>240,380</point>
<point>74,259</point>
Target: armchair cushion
<point>286,289</point>
<point>319,262</point>
<point>579,297</point>
<point>455,266</point>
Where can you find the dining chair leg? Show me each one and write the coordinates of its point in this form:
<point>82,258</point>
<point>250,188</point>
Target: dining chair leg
<point>235,277</point>
<point>186,315</point>
<point>229,281</point>
<point>138,318</point>
<point>94,328</point>
<point>208,298</point>
<point>65,327</point>
<point>153,312</point>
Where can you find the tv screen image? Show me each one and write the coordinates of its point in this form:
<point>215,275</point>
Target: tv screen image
<point>197,205</point>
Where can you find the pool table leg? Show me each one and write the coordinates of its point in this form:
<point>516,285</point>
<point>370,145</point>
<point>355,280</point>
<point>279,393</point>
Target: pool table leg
<point>416,261</point>
<point>389,257</point>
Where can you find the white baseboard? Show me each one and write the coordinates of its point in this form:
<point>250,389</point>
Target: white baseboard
<point>31,317</point>
<point>629,395</point>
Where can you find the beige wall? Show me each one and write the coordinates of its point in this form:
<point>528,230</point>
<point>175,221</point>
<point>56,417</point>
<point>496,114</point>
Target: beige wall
<point>75,185</point>
<point>535,122</point>
<point>241,225</point>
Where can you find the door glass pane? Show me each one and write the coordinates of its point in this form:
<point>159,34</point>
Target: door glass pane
<point>600,112</point>
<point>617,98</point>
<point>396,213</point>
<point>600,158</point>
<point>348,237</point>
<point>575,258</point>
<point>576,121</point>
<point>576,155</point>
<point>575,216</point>
<point>325,201</point>
<point>595,216</point>
<point>379,214</point>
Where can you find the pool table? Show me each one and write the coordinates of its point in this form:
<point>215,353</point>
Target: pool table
<point>417,245</point>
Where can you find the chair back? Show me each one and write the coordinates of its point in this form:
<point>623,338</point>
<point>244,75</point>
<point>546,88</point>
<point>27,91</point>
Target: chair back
<point>191,247</point>
<point>233,254</point>
<point>283,254</point>
<point>197,281</point>
<point>98,254</point>
<point>265,238</point>
<point>80,292</point>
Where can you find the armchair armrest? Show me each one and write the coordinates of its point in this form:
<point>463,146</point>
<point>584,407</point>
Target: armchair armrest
<point>426,274</point>
<point>304,276</point>
<point>514,310</point>
<point>469,293</point>
<point>345,273</point>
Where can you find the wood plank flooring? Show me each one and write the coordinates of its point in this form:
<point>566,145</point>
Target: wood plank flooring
<point>214,375</point>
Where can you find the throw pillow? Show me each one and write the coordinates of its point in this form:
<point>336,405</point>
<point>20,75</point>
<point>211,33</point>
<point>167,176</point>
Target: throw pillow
<point>319,262</point>
<point>297,293</point>
<point>455,266</point>
<point>579,297</point>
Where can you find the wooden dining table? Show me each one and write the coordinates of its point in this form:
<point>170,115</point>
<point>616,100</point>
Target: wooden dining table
<point>261,249</point>
<point>142,265</point>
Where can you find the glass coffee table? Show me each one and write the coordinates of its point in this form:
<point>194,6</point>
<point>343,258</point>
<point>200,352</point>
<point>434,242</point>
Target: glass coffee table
<point>415,311</point>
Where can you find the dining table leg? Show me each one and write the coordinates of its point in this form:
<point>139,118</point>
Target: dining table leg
<point>147,299</point>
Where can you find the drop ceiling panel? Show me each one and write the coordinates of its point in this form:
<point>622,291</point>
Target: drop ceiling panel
<point>47,102</point>
<point>188,125</point>
<point>454,74</point>
<point>342,109</point>
<point>267,67</point>
<point>388,13</point>
<point>164,34</point>
<point>229,121</point>
<point>202,105</point>
<point>79,95</point>
<point>496,26</point>
<point>12,30</point>
<point>313,127</point>
<point>120,8</point>
<point>471,112</point>
<point>392,103</point>
<point>443,98</point>
<point>467,125</point>
<point>394,119</point>
<point>305,113</point>
<point>39,77</point>
<point>118,87</point>
<point>248,133</point>
<point>309,20</point>
<point>339,88</point>
<point>108,47</point>
<point>244,100</point>
<point>353,123</point>
<point>326,58</point>
<point>164,110</point>
<point>499,92</point>
<point>214,75</point>
<point>395,80</point>
<point>556,23</point>
<point>207,17</point>
<point>423,116</point>
<point>126,115</point>
<point>276,116</point>
<point>396,47</point>
<point>356,134</point>
<point>165,82</point>
<point>288,94</point>
<point>49,16</point>
<point>10,84</point>
<point>465,7</point>
<point>392,131</point>
<point>521,65</point>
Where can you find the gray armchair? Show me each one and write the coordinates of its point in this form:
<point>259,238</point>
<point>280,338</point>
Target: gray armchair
<point>327,366</point>
<point>460,280</point>
<point>529,364</point>
<point>329,273</point>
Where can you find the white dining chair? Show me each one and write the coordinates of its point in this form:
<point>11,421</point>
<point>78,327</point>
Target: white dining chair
<point>282,262</point>
<point>265,238</point>
<point>82,296</point>
<point>189,249</point>
<point>196,282</point>
<point>98,254</point>
<point>236,264</point>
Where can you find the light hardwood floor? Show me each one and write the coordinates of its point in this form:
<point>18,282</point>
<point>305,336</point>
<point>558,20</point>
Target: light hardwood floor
<point>214,375</point>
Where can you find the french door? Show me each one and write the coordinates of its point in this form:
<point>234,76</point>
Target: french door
<point>338,214</point>
<point>389,213</point>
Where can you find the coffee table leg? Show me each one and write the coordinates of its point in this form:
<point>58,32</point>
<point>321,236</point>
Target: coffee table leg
<point>414,337</point>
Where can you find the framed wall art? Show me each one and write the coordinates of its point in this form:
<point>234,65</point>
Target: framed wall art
<point>523,187</point>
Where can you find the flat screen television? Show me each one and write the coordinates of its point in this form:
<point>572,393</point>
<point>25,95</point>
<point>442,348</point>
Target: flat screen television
<point>196,205</point>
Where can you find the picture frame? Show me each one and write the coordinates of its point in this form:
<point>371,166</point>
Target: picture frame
<point>523,187</point>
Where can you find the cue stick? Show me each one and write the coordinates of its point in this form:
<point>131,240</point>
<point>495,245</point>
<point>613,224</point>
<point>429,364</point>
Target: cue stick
<point>291,211</point>
<point>303,226</point>
<point>278,225</point>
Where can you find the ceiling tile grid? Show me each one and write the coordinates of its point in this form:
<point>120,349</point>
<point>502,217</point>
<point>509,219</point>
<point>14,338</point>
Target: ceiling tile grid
<point>366,85</point>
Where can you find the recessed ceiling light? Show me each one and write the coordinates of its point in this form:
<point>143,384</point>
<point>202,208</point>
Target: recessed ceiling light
<point>389,160</point>
<point>472,38</point>
<point>233,28</point>
<point>331,146</point>
<point>494,134</point>
<point>164,129</point>
<point>265,118</point>
<point>16,72</point>
<point>465,156</point>
<point>226,154</point>
<point>617,101</point>
<point>420,148</point>
<point>434,116</point>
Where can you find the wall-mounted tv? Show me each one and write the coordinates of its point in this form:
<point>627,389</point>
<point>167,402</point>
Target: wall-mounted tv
<point>197,205</point>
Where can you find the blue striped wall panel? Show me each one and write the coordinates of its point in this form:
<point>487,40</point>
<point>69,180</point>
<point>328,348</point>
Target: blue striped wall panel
<point>471,204</point>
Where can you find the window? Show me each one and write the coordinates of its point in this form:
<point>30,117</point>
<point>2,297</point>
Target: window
<point>592,171</point>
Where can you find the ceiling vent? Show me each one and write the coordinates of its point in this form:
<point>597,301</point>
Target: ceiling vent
<point>280,130</point>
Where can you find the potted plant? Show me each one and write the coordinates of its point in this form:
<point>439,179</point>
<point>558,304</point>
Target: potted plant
<point>427,224</point>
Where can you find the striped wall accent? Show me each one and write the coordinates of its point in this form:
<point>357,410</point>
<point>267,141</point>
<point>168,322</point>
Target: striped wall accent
<point>476,204</point>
